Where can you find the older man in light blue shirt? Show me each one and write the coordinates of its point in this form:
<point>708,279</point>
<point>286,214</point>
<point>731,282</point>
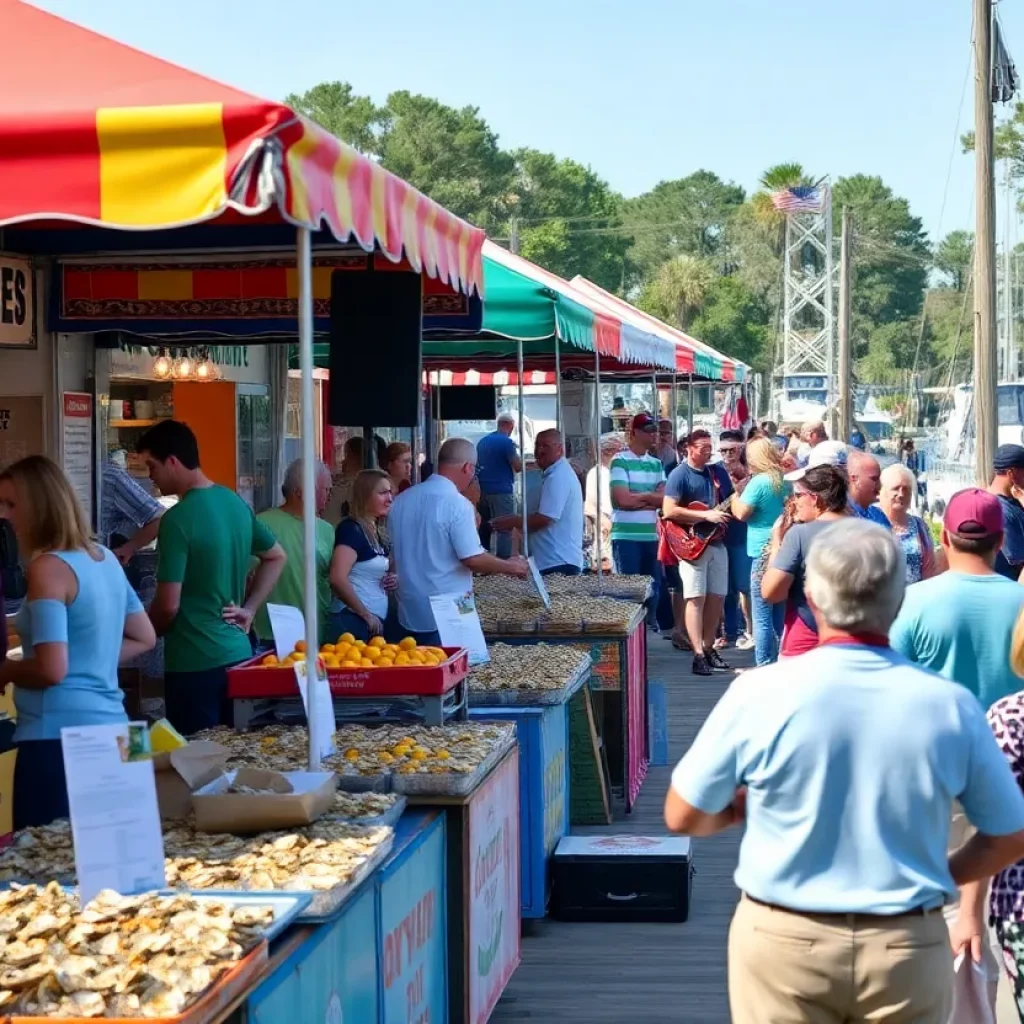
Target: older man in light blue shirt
<point>555,530</point>
<point>846,763</point>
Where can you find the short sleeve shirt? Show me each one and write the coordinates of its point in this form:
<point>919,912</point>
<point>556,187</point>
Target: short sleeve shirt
<point>801,633</point>
<point>494,454</point>
<point>561,501</point>
<point>767,503</point>
<point>206,542</point>
<point>639,474</point>
<point>826,752</point>
<point>687,485</point>
<point>1011,557</point>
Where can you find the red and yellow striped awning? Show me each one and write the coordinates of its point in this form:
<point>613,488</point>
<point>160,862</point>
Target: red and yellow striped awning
<point>95,132</point>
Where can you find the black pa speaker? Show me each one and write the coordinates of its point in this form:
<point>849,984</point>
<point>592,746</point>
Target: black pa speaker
<point>376,349</point>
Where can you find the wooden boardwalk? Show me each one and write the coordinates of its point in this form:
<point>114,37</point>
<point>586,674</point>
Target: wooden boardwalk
<point>655,973</point>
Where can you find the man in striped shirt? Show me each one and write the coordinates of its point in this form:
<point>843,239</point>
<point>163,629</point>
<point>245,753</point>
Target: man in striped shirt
<point>637,480</point>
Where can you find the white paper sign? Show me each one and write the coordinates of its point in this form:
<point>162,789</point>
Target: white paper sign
<point>538,583</point>
<point>288,626</point>
<point>321,718</point>
<point>76,446</point>
<point>115,822</point>
<point>458,624</point>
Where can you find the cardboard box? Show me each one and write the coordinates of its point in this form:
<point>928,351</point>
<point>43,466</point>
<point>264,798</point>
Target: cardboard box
<point>185,770</point>
<point>311,795</point>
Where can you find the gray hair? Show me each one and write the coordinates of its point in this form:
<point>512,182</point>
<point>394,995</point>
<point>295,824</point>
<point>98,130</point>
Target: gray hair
<point>506,417</point>
<point>293,476</point>
<point>897,472</point>
<point>456,451</point>
<point>856,576</point>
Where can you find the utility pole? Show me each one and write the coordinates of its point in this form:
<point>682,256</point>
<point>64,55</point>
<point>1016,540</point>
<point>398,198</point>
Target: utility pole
<point>845,366</point>
<point>513,239</point>
<point>986,429</point>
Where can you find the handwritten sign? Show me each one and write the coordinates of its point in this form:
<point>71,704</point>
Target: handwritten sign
<point>458,624</point>
<point>493,888</point>
<point>288,626</point>
<point>115,822</point>
<point>538,583</point>
<point>319,708</point>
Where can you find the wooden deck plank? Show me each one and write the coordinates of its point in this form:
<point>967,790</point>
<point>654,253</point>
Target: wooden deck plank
<point>618,973</point>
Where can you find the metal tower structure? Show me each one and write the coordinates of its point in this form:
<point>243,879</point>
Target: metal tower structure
<point>808,348</point>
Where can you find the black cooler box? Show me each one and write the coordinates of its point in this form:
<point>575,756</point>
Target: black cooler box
<point>622,878</point>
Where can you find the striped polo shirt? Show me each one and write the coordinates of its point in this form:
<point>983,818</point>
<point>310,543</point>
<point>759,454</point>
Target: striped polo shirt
<point>642,474</point>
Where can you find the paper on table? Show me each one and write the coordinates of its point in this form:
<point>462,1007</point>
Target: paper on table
<point>538,583</point>
<point>288,626</point>
<point>458,624</point>
<point>319,710</point>
<point>115,823</point>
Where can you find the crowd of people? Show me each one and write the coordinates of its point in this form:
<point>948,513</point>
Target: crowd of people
<point>880,779</point>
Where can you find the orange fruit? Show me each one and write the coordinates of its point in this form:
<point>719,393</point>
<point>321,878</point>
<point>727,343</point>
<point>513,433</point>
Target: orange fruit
<point>385,662</point>
<point>350,664</point>
<point>327,649</point>
<point>407,644</point>
<point>377,641</point>
<point>346,638</point>
<point>366,663</point>
<point>429,659</point>
<point>300,646</point>
<point>402,659</point>
<point>269,660</point>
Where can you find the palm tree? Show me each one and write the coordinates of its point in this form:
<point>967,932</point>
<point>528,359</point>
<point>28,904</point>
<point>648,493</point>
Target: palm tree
<point>680,289</point>
<point>776,178</point>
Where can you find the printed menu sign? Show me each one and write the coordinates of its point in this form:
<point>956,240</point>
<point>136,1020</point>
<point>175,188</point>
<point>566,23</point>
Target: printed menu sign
<point>115,823</point>
<point>76,446</point>
<point>17,303</point>
<point>458,624</point>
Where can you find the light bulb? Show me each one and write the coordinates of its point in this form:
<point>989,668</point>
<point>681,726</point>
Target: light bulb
<point>162,367</point>
<point>205,370</point>
<point>183,367</point>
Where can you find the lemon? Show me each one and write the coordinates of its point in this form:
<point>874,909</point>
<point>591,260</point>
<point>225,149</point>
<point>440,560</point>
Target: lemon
<point>346,638</point>
<point>366,663</point>
<point>377,641</point>
<point>442,755</point>
<point>351,754</point>
<point>407,644</point>
<point>420,755</point>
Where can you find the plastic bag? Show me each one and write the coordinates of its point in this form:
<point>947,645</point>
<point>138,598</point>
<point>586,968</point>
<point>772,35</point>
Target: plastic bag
<point>970,993</point>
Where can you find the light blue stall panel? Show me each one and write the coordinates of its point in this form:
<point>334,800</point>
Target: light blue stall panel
<point>332,977</point>
<point>412,943</point>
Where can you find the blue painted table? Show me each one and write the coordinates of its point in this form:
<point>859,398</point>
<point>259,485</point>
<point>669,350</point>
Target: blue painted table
<point>412,940</point>
<point>543,737</point>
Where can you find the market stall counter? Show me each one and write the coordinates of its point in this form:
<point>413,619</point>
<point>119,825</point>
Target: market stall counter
<point>612,632</point>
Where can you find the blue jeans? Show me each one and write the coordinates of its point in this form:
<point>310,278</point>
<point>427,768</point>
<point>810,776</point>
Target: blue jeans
<point>739,583</point>
<point>639,558</point>
<point>768,621</point>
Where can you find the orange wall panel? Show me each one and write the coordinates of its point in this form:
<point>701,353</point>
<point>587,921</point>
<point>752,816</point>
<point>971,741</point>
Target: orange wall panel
<point>209,409</point>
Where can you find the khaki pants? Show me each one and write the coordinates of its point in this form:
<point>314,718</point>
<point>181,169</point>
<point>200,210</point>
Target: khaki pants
<point>787,968</point>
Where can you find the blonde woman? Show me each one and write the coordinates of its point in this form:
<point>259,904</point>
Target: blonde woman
<point>898,486</point>
<point>759,506</point>
<point>79,621</point>
<point>360,572</point>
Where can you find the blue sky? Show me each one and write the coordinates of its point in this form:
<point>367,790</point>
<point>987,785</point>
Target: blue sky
<point>642,90</point>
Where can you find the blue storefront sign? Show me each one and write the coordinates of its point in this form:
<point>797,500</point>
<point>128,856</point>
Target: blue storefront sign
<point>330,978</point>
<point>542,734</point>
<point>412,942</point>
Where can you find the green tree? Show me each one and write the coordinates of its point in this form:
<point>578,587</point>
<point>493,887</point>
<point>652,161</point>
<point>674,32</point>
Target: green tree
<point>776,178</point>
<point>954,256</point>
<point>734,321</point>
<point>678,291</point>
<point>687,216</point>
<point>569,219</point>
<point>354,119</point>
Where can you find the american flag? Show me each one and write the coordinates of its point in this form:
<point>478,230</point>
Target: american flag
<point>798,199</point>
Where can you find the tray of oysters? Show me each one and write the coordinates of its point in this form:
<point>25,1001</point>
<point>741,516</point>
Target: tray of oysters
<point>529,674</point>
<point>368,809</point>
<point>444,760</point>
<point>157,956</point>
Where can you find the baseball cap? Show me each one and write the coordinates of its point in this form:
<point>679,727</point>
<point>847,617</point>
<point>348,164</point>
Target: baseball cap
<point>1008,456</point>
<point>828,453</point>
<point>642,421</point>
<point>973,513</point>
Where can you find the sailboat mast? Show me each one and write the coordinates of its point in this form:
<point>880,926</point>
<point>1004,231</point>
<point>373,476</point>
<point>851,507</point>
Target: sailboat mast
<point>985,351</point>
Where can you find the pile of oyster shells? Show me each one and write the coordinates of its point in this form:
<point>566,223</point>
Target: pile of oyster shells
<point>527,667</point>
<point>119,956</point>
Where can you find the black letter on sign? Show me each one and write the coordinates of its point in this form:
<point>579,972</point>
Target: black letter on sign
<point>6,295</point>
<point>19,297</point>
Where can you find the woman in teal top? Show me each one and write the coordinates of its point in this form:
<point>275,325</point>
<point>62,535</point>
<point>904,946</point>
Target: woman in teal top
<point>79,621</point>
<point>761,504</point>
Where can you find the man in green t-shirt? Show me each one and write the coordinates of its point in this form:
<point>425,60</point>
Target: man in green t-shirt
<point>285,523</point>
<point>201,607</point>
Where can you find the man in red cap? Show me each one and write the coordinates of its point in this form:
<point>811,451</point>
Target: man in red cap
<point>959,624</point>
<point>637,480</point>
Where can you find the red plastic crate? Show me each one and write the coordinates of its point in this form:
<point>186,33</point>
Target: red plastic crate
<point>252,681</point>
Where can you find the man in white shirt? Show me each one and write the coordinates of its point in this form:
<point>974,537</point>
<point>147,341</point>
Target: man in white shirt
<point>555,530</point>
<point>435,542</point>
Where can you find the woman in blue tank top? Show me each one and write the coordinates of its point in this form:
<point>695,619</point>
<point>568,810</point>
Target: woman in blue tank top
<point>79,621</point>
